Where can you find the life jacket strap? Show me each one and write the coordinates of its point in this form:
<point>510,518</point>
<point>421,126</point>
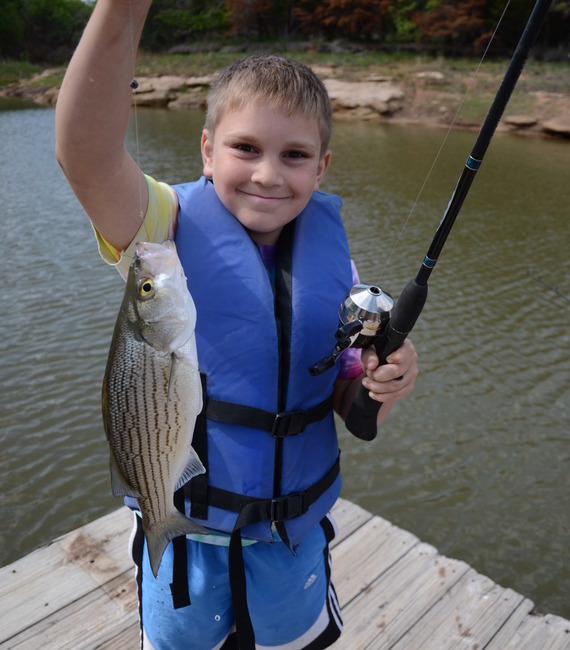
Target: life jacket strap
<point>197,489</point>
<point>280,425</point>
<point>252,510</point>
<point>179,585</point>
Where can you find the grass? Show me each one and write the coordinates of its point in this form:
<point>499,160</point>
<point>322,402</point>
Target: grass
<point>13,71</point>
<point>51,78</point>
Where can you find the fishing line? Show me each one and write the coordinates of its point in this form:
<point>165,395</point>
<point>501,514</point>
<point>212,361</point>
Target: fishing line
<point>134,85</point>
<point>452,124</point>
<point>362,416</point>
<point>554,289</point>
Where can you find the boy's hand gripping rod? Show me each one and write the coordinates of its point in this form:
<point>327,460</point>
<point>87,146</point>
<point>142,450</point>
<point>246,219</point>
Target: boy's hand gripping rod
<point>361,325</point>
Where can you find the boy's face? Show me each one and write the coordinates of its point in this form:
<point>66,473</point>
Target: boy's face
<point>265,166</point>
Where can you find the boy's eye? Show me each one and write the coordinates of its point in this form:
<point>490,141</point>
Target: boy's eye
<point>245,148</point>
<point>296,155</point>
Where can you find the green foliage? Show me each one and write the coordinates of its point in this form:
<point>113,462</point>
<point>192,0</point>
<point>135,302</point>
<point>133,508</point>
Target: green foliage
<point>402,13</point>
<point>41,30</point>
<point>174,22</point>
<point>11,27</point>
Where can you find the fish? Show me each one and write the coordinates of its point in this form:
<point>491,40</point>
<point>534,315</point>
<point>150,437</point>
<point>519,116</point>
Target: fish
<point>152,394</point>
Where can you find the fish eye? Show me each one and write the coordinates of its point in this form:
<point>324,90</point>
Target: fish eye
<point>145,287</point>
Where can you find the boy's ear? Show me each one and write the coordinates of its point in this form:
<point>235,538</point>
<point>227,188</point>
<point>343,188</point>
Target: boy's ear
<point>207,148</point>
<point>324,163</point>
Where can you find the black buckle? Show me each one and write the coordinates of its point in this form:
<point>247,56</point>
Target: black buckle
<point>288,507</point>
<point>288,424</point>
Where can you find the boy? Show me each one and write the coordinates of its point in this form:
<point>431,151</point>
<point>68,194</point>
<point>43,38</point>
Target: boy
<point>267,263</point>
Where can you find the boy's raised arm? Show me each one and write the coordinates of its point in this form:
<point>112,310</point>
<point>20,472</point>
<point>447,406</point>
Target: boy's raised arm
<point>91,121</point>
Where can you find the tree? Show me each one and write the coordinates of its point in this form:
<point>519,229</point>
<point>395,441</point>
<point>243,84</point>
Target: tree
<point>11,28</point>
<point>262,18</point>
<point>555,31</point>
<point>42,30</point>
<point>173,22</point>
<point>401,14</point>
<point>47,31</point>
<point>456,26</point>
<point>343,18</point>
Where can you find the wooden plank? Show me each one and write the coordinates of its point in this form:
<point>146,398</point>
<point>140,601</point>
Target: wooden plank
<point>384,612</point>
<point>84,624</point>
<point>349,517</point>
<point>40,584</point>
<point>101,547</point>
<point>537,632</point>
<point>509,629</point>
<point>128,639</point>
<point>466,616</point>
<point>36,587</point>
<point>361,558</point>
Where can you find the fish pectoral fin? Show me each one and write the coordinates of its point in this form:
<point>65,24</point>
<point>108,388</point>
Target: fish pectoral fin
<point>119,485</point>
<point>193,468</point>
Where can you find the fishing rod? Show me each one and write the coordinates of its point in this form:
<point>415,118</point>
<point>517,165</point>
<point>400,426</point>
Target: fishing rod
<point>366,315</point>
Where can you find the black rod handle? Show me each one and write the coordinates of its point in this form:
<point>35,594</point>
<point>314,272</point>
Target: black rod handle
<point>363,413</point>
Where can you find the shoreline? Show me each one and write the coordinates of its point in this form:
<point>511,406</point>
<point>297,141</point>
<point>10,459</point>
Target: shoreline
<point>421,98</point>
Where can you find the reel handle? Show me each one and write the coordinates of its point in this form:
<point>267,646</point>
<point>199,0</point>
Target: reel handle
<point>363,413</point>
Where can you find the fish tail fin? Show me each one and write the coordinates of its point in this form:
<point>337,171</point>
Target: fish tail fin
<point>159,535</point>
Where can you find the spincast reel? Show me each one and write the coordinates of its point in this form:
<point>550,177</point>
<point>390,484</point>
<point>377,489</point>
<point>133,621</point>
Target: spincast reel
<point>363,317</point>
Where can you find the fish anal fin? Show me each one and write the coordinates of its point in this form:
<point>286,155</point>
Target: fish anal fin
<point>159,535</point>
<point>119,484</point>
<point>193,468</point>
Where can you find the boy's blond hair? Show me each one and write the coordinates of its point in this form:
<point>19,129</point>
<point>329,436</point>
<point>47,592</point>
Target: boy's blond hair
<point>281,83</point>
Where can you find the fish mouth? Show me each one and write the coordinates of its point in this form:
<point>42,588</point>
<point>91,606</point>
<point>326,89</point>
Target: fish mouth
<point>154,258</point>
<point>144,248</point>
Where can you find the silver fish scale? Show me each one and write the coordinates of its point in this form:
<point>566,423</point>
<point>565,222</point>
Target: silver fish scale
<point>145,421</point>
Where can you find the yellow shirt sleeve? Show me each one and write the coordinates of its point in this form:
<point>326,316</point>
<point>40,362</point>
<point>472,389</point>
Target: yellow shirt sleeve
<point>159,223</point>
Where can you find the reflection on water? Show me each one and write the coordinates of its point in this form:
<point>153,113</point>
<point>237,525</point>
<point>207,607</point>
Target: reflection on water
<point>477,462</point>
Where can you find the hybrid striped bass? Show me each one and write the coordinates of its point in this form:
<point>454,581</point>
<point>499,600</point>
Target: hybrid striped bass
<point>152,394</point>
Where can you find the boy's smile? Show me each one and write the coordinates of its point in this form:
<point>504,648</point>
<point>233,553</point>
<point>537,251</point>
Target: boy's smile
<point>265,166</point>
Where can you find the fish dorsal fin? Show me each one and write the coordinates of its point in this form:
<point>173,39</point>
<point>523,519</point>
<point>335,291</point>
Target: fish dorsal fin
<point>193,468</point>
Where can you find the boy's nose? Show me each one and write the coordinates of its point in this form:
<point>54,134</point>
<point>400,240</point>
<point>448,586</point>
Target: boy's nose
<point>266,172</point>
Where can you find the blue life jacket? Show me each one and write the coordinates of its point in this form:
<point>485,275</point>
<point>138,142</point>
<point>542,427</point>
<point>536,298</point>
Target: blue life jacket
<point>270,438</point>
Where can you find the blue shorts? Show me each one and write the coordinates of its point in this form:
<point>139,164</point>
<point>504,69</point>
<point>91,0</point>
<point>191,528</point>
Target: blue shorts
<point>291,598</point>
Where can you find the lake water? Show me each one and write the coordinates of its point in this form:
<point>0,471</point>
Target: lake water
<point>476,462</point>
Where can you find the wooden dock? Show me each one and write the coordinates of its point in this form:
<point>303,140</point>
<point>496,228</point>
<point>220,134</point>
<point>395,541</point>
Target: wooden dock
<point>395,592</point>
